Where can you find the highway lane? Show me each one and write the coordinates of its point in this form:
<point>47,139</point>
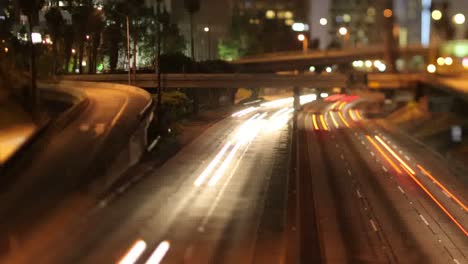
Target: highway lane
<point>221,199</point>
<point>406,224</point>
<point>49,180</point>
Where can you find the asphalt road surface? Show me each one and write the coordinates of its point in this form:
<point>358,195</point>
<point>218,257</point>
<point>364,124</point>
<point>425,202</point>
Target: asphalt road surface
<point>221,199</point>
<point>377,196</point>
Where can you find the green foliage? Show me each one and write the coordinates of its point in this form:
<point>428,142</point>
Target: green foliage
<point>230,50</point>
<point>175,105</point>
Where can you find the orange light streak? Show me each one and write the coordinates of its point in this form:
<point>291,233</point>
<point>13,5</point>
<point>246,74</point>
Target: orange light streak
<point>314,118</point>
<point>395,167</point>
<point>358,114</point>
<point>334,120</point>
<point>439,204</point>
<point>343,119</point>
<point>342,105</point>
<point>395,155</point>
<point>324,124</point>
<point>443,187</point>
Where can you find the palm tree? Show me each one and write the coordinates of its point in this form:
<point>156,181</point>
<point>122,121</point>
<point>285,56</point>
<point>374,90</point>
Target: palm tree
<point>31,8</point>
<point>55,24</point>
<point>192,7</point>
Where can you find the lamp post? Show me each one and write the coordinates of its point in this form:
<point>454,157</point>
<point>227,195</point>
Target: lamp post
<point>208,32</point>
<point>305,42</point>
<point>345,34</point>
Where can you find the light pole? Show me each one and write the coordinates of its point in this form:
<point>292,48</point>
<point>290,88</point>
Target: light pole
<point>208,32</point>
<point>305,42</point>
<point>458,20</point>
<point>345,34</point>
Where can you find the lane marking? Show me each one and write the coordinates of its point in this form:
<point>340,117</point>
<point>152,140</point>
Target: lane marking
<point>395,167</point>
<point>372,153</point>
<point>401,189</point>
<point>424,219</point>
<point>407,158</point>
<point>119,114</point>
<point>446,194</point>
<point>456,261</point>
<point>358,193</point>
<point>424,171</point>
<point>384,168</point>
<point>349,172</point>
<point>374,226</point>
<point>342,157</point>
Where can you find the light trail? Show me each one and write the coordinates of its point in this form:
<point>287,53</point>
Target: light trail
<point>201,179</point>
<point>219,173</point>
<point>351,114</point>
<point>460,226</point>
<point>358,114</point>
<point>343,119</point>
<point>244,112</point>
<point>334,120</point>
<point>443,187</point>
<point>334,105</point>
<point>395,167</point>
<point>134,253</point>
<point>324,124</point>
<point>341,106</point>
<point>159,253</point>
<point>395,155</point>
<point>411,173</point>
<point>314,118</point>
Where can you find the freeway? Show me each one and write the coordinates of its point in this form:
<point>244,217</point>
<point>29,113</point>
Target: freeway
<point>377,197</point>
<point>219,200</point>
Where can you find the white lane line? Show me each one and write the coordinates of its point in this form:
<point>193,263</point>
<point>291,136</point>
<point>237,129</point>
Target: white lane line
<point>349,172</point>
<point>374,226</point>
<point>337,145</point>
<point>424,219</point>
<point>407,158</point>
<point>456,261</point>
<point>446,194</point>
<point>362,142</point>
<point>342,157</point>
<point>401,189</point>
<point>384,168</point>
<point>372,153</point>
<point>359,194</point>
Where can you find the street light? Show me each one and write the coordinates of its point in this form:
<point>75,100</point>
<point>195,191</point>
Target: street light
<point>458,19</point>
<point>436,14</point>
<point>305,42</point>
<point>343,31</point>
<point>323,21</point>
<point>431,68</point>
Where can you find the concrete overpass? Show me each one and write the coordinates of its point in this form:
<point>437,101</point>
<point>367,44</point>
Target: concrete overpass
<point>149,81</point>
<point>283,61</point>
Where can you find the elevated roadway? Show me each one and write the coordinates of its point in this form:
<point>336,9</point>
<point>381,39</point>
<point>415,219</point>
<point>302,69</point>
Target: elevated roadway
<point>148,80</point>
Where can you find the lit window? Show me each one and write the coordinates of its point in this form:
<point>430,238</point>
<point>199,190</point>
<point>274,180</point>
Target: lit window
<point>288,15</point>
<point>270,14</point>
<point>346,18</point>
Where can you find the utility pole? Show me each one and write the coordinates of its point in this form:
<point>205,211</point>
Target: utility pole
<point>389,47</point>
<point>158,64</point>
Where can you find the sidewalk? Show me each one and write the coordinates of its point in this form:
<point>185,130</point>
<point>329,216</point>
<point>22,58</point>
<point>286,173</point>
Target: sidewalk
<point>16,126</point>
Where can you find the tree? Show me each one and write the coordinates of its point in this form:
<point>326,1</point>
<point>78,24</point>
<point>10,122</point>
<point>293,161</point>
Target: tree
<point>96,27</point>
<point>55,24</point>
<point>192,7</point>
<point>79,19</point>
<point>31,8</point>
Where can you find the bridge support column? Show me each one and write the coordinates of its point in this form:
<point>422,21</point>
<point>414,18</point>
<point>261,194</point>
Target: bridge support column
<point>297,95</point>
